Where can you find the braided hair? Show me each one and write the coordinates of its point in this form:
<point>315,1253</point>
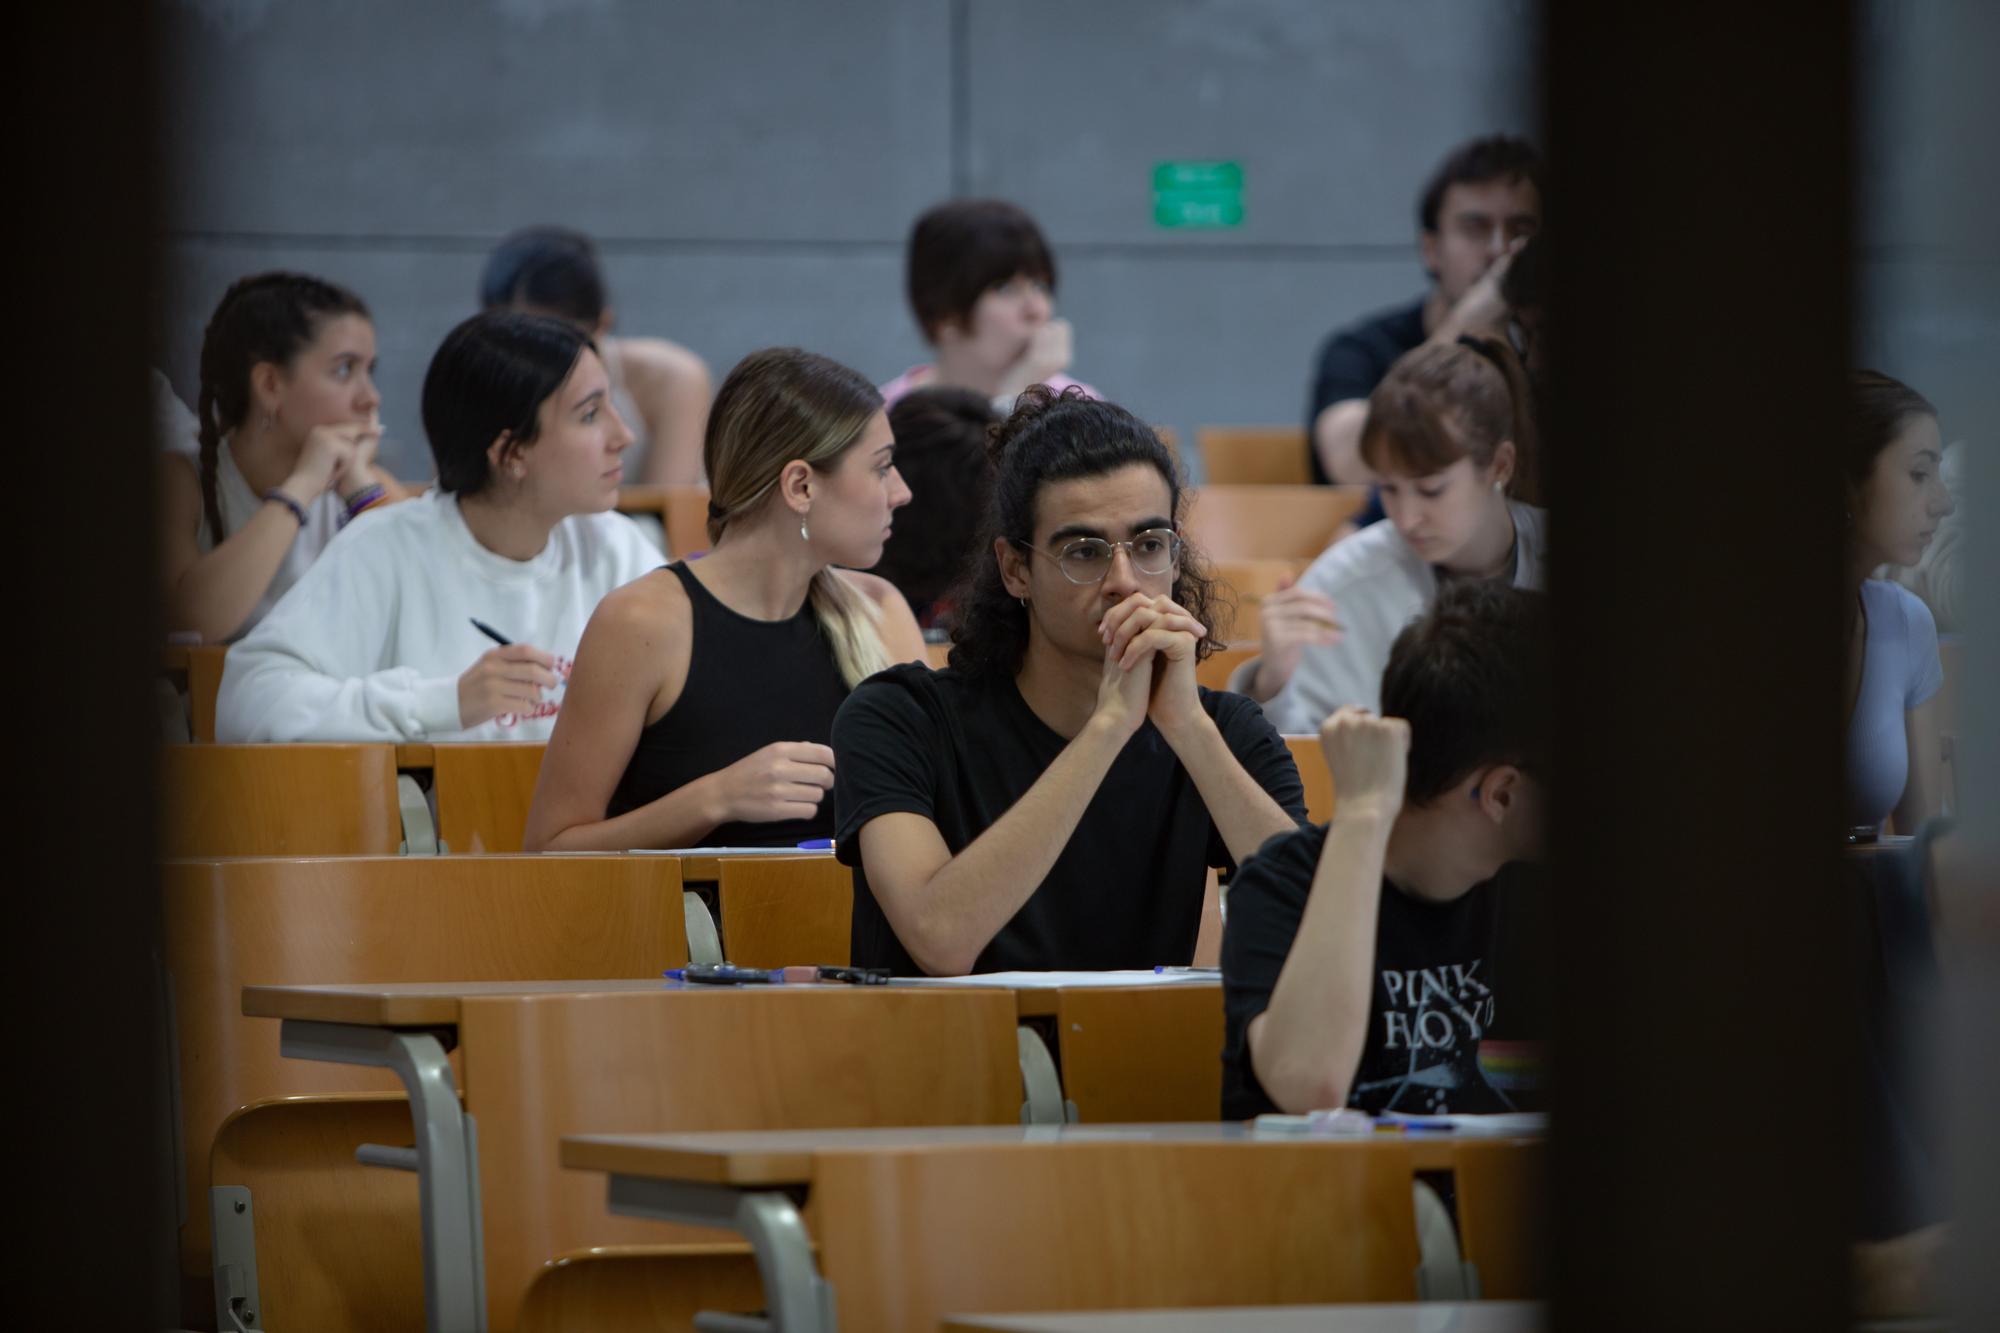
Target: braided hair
<point>265,317</point>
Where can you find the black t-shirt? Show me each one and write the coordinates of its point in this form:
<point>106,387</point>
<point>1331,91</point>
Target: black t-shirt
<point>1353,360</point>
<point>1435,996</point>
<point>1125,892</point>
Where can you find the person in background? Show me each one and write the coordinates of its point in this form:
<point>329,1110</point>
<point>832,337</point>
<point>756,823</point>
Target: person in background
<point>1480,206</point>
<point>660,389</point>
<point>390,636</point>
<point>1359,957</point>
<point>1895,501</point>
<point>281,454</point>
<point>704,693</point>
<point>982,284</point>
<point>941,452</point>
<point>1451,437</point>
<point>1056,797</point>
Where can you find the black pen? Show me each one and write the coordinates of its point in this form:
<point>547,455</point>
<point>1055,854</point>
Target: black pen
<point>490,632</point>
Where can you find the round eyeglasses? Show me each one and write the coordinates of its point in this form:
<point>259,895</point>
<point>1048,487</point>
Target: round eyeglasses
<point>1088,559</point>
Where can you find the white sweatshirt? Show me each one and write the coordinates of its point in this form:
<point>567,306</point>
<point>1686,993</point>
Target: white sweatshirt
<point>370,642</point>
<point>1378,585</point>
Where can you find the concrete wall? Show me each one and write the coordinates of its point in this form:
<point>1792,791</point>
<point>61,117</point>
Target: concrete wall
<point>1928,311</point>
<point>751,167</point>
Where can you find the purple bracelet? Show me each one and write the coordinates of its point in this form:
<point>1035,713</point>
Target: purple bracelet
<point>362,499</point>
<point>288,502</point>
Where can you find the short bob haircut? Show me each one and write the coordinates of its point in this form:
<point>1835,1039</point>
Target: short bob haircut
<point>1055,437</point>
<point>550,270</point>
<point>1471,677</point>
<point>1497,157</point>
<point>960,249</point>
<point>491,375</point>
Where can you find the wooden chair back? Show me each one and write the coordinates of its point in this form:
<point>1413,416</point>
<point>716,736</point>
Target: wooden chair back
<point>235,923</point>
<point>1144,1054</point>
<point>483,793</point>
<point>1246,583</point>
<point>1214,670</point>
<point>1313,773</point>
<point>204,682</point>
<point>801,1057</point>
<point>1502,1202</point>
<point>682,511</point>
<point>338,1246</point>
<point>908,1237</point>
<point>781,910</point>
<point>639,1287</point>
<point>1253,455</point>
<point>1270,522</point>
<point>279,800</point>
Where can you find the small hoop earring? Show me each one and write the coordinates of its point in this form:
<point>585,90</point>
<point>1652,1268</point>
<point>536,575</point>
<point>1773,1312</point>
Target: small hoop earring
<point>1024,601</point>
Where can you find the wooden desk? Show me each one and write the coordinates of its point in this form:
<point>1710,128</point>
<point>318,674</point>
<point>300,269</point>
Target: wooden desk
<point>1427,1317</point>
<point>542,1059</point>
<point>910,1224</point>
<point>228,923</point>
<point>1147,1053</point>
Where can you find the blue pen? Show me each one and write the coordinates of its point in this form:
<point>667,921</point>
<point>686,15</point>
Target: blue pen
<point>816,845</point>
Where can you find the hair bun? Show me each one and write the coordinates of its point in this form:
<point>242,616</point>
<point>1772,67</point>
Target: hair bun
<point>1035,402</point>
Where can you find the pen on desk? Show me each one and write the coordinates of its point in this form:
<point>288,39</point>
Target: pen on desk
<point>816,845</point>
<point>1184,971</point>
<point>489,631</point>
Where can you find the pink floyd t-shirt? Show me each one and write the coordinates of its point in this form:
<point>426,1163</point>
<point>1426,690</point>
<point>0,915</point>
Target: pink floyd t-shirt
<point>1435,995</point>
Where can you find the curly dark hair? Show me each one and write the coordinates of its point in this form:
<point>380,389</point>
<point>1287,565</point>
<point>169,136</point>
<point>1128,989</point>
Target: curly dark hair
<point>1055,437</point>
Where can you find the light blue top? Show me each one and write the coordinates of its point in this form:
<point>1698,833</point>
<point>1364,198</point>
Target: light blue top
<point>1900,671</point>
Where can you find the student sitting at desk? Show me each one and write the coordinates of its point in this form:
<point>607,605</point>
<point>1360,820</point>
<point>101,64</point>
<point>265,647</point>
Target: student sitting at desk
<point>705,692</point>
<point>1055,798</point>
<point>389,636</point>
<point>1358,963</point>
<point>1896,498</point>
<point>281,454</point>
<point>1450,436</point>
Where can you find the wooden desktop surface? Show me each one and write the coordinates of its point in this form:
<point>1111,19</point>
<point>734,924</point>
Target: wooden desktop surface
<point>1424,1317</point>
<point>786,1157</point>
<point>414,1004</point>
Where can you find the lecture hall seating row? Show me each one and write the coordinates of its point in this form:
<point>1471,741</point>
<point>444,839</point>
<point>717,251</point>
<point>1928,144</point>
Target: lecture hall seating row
<point>286,1130</point>
<point>366,800</point>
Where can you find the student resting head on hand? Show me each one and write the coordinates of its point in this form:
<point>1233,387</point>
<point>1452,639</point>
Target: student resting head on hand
<point>1359,962</point>
<point>982,283</point>
<point>283,453</point>
<point>1451,438</point>
<point>1896,498</point>
<point>377,642</point>
<point>704,693</point>
<point>1055,798</point>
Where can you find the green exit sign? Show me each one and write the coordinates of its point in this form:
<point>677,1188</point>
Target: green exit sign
<point>1198,194</point>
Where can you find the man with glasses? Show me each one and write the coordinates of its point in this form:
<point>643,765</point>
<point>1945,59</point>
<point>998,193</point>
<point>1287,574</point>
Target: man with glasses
<point>1055,799</point>
<point>1480,206</point>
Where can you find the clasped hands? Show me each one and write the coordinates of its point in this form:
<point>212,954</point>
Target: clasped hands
<point>1149,661</point>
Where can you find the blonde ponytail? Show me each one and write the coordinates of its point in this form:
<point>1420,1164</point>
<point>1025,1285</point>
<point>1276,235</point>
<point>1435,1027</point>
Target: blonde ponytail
<point>852,624</point>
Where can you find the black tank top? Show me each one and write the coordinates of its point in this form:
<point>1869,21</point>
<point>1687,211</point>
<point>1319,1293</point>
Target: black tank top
<point>749,683</point>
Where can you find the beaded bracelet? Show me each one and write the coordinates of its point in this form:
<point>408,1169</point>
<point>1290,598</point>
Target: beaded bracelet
<point>298,512</point>
<point>372,494</point>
